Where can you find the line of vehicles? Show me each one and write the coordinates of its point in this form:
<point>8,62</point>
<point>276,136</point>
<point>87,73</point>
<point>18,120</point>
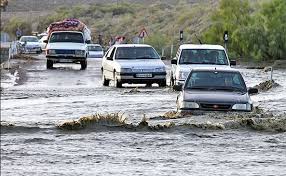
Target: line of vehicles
<point>202,73</point>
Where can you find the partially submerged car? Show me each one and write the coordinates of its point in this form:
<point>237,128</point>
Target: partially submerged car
<point>133,63</point>
<point>215,90</point>
<point>29,44</point>
<point>95,51</point>
<point>191,56</point>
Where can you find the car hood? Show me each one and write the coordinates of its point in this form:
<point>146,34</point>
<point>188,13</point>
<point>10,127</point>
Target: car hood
<point>215,96</point>
<point>69,46</point>
<point>141,63</point>
<point>187,68</point>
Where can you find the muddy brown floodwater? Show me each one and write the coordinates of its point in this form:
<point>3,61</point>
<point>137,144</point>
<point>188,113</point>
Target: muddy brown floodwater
<point>42,132</point>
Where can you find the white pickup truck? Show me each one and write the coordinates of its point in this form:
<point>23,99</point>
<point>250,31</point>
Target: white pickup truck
<point>67,43</point>
<point>191,56</point>
<point>66,47</point>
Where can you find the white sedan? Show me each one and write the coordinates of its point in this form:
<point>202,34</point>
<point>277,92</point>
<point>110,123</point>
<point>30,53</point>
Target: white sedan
<point>30,44</point>
<point>95,51</point>
<point>133,63</point>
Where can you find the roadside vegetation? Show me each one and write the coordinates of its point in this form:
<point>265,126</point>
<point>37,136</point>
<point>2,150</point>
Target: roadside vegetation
<point>256,28</point>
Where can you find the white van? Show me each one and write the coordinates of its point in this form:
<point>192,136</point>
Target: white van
<point>191,56</point>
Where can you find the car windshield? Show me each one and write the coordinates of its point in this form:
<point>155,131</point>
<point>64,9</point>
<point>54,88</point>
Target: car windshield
<point>216,80</point>
<point>136,53</point>
<point>66,37</point>
<point>29,39</point>
<point>203,56</point>
<point>94,48</point>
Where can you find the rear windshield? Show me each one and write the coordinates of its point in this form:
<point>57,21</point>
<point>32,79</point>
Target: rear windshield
<point>29,39</point>
<point>215,80</point>
<point>203,56</point>
<point>94,48</point>
<point>136,53</point>
<point>66,37</point>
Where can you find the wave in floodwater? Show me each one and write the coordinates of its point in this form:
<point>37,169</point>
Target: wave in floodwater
<point>118,121</point>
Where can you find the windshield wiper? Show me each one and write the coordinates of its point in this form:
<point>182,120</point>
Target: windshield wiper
<point>231,89</point>
<point>198,88</point>
<point>143,57</point>
<point>124,58</point>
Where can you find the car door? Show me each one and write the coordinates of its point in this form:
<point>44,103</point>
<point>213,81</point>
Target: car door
<point>108,63</point>
<point>175,66</point>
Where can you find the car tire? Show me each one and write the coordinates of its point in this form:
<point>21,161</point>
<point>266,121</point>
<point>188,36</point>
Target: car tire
<point>105,82</point>
<point>172,81</point>
<point>117,83</point>
<point>83,64</point>
<point>162,83</point>
<point>149,85</point>
<point>49,64</point>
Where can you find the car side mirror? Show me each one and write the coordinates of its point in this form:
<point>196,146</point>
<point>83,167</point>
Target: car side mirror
<point>109,58</point>
<point>178,87</point>
<point>163,58</point>
<point>174,61</point>
<point>252,91</point>
<point>232,62</point>
<point>45,41</point>
<point>87,41</point>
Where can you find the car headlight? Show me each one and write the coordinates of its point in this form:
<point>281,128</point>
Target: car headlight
<point>242,107</point>
<point>126,70</point>
<point>183,75</point>
<point>51,51</point>
<point>161,69</point>
<point>80,52</point>
<point>190,105</point>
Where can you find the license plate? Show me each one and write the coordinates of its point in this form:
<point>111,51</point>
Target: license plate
<point>146,75</point>
<point>65,60</point>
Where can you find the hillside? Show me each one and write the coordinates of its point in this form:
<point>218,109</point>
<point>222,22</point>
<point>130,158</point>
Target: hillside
<point>49,5</point>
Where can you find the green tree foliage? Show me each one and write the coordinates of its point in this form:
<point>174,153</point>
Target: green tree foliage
<point>14,23</point>
<point>256,34</point>
<point>273,18</point>
<point>158,41</point>
<point>230,16</point>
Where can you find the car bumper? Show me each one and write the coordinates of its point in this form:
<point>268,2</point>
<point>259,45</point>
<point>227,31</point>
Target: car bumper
<point>201,109</point>
<point>32,50</point>
<point>150,77</point>
<point>179,82</point>
<point>95,56</point>
<point>65,59</point>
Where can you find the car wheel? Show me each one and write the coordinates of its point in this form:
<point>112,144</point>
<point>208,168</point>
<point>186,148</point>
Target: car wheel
<point>163,83</point>
<point>83,64</point>
<point>105,82</point>
<point>117,83</point>
<point>172,81</point>
<point>49,64</point>
<point>149,85</point>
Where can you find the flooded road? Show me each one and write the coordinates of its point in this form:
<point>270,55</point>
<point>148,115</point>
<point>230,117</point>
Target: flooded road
<point>203,144</point>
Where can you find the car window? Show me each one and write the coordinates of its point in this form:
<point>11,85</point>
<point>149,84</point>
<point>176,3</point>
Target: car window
<point>203,56</point>
<point>29,39</point>
<point>136,53</point>
<point>94,48</point>
<point>215,80</point>
<point>66,37</point>
<point>112,53</point>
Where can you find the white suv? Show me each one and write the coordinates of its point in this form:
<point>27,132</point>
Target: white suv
<point>133,63</point>
<point>191,56</point>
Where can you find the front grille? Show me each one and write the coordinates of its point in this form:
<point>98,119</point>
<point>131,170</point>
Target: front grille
<point>216,106</point>
<point>65,52</point>
<point>142,70</point>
